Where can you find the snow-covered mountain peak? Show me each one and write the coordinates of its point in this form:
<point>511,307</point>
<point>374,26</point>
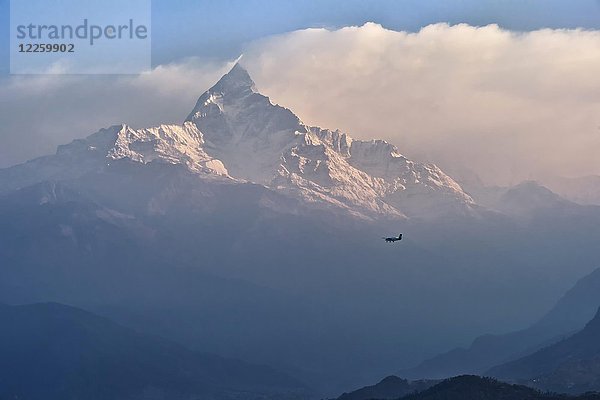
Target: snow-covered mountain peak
<point>98,142</point>
<point>227,95</point>
<point>174,144</point>
<point>243,128</point>
<point>236,82</point>
<point>236,132</point>
<point>268,144</point>
<point>171,144</point>
<point>338,141</point>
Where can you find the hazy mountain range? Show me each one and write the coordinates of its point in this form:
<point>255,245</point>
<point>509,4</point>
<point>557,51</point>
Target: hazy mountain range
<point>246,233</point>
<point>583,190</point>
<point>52,351</point>
<point>571,313</point>
<point>571,365</point>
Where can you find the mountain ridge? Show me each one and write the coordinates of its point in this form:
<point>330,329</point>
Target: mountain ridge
<point>572,311</point>
<point>54,351</point>
<point>321,164</point>
<point>234,132</point>
<point>571,365</point>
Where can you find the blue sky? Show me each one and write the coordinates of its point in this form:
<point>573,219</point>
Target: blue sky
<point>220,28</point>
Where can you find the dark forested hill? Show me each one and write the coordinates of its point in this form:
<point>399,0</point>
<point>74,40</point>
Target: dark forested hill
<point>468,387</point>
<point>391,387</point>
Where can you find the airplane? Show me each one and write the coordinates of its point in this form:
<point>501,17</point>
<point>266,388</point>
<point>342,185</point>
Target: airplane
<point>393,239</point>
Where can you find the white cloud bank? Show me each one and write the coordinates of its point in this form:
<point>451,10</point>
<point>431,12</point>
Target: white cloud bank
<point>509,106</point>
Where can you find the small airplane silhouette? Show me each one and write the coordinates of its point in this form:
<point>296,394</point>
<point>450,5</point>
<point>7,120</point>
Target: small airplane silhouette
<point>393,239</point>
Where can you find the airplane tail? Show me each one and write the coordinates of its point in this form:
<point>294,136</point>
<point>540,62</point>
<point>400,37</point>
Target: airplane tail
<point>400,237</point>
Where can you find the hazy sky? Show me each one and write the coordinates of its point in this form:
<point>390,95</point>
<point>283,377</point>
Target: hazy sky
<point>509,105</point>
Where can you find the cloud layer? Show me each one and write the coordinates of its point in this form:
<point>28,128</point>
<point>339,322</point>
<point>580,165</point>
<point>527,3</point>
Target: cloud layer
<point>507,106</point>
